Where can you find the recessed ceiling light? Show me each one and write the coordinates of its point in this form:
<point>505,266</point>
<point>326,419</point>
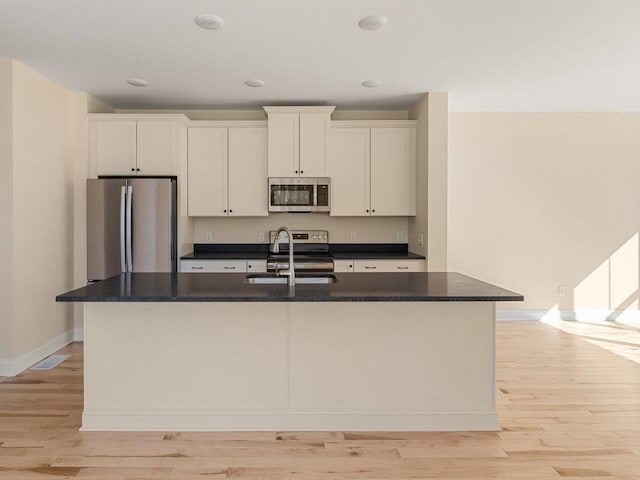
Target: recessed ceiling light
<point>254,82</point>
<point>373,22</point>
<point>372,83</point>
<point>210,22</point>
<point>137,82</point>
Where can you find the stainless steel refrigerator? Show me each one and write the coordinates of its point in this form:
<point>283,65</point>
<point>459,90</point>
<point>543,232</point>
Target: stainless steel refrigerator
<point>131,226</point>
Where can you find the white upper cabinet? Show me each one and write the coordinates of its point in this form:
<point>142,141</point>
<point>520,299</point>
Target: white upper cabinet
<point>227,170</point>
<point>157,148</point>
<point>349,171</point>
<point>393,171</point>
<point>372,167</point>
<point>207,171</point>
<point>115,148</point>
<point>248,186</point>
<point>134,145</point>
<point>298,141</point>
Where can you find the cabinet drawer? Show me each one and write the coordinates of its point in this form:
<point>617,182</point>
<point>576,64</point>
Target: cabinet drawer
<point>215,266</point>
<point>343,265</point>
<point>256,265</point>
<point>388,266</point>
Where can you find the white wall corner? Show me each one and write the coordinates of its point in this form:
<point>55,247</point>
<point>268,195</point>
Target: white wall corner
<point>12,367</point>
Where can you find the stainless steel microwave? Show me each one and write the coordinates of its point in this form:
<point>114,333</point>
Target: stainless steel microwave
<point>296,194</point>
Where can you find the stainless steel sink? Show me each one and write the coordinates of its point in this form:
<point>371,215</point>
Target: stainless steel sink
<point>301,279</point>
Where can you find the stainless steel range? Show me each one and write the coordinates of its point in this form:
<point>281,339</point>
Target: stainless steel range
<point>311,252</point>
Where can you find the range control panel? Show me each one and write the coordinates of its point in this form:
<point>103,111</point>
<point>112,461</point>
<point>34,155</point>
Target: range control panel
<point>302,236</point>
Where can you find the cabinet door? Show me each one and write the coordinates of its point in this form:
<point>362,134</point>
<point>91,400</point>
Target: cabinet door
<point>314,135</point>
<point>284,147</point>
<point>248,189</point>
<point>393,167</point>
<point>157,148</point>
<point>115,148</point>
<point>213,266</point>
<point>207,172</point>
<point>349,171</point>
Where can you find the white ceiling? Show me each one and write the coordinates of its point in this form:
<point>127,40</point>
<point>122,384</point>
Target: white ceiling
<point>490,55</point>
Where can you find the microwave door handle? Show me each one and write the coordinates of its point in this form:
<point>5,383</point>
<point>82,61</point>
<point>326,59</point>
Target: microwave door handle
<point>129,245</point>
<point>123,199</point>
<point>315,195</point>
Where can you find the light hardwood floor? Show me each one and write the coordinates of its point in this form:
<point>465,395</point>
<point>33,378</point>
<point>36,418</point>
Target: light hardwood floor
<point>569,405</point>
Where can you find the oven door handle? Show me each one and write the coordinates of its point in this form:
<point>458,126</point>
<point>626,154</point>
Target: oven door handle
<point>301,266</point>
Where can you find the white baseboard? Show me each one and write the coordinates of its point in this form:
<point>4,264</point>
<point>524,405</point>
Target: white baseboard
<point>78,334</point>
<point>11,367</point>
<point>583,315</point>
<point>286,420</point>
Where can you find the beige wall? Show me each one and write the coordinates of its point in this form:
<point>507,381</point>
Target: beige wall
<point>37,213</point>
<point>430,221</point>
<point>44,153</point>
<point>6,207</point>
<point>543,200</point>
<point>245,230</point>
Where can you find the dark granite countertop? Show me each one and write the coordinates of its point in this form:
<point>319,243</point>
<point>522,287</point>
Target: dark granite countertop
<point>373,251</point>
<point>350,287</point>
<point>228,251</point>
<point>340,251</point>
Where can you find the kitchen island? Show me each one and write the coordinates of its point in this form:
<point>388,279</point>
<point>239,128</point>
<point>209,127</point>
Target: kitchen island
<point>373,351</point>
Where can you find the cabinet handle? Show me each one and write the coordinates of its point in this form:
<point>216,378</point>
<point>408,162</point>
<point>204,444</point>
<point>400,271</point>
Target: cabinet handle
<point>197,268</point>
<point>229,268</point>
<point>402,268</point>
<point>370,268</point>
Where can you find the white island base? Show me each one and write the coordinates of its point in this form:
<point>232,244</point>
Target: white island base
<point>277,366</point>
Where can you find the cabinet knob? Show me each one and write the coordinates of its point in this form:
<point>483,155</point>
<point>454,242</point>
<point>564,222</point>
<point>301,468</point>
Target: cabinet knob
<point>230,211</point>
<point>301,171</point>
<point>225,211</point>
<point>367,210</point>
<point>296,171</point>
<point>137,169</point>
<point>373,210</point>
<point>133,169</point>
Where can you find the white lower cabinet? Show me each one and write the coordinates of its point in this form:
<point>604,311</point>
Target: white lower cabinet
<point>343,265</point>
<point>214,266</point>
<point>416,265</point>
<point>256,266</point>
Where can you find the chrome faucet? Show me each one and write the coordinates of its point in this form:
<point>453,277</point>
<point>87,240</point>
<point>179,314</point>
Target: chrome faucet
<point>275,248</point>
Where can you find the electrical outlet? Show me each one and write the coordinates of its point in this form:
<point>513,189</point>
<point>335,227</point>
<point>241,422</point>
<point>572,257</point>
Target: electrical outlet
<point>420,240</point>
<point>353,236</point>
<point>398,236</point>
<point>561,290</point>
<point>208,237</point>
<point>261,236</point>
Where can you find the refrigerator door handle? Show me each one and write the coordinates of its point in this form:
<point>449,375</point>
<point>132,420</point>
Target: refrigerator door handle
<point>129,244</point>
<point>123,196</point>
